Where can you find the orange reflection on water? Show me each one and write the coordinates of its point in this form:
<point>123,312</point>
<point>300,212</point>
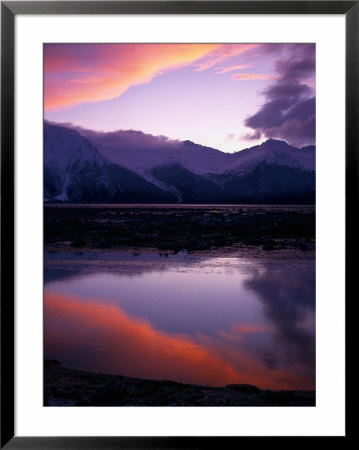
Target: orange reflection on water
<point>248,328</point>
<point>104,338</point>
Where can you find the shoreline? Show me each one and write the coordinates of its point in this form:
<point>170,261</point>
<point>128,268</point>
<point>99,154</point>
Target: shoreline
<point>67,386</point>
<point>240,252</point>
<point>178,205</point>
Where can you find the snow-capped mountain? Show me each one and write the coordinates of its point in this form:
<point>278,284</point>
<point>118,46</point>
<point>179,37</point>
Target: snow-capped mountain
<point>131,166</point>
<point>65,147</point>
<point>74,171</point>
<point>142,152</point>
<point>273,152</point>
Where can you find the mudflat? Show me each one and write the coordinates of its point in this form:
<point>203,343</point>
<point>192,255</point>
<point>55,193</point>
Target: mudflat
<point>191,228</point>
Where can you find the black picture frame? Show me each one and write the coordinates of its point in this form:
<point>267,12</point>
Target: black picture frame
<point>8,12</point>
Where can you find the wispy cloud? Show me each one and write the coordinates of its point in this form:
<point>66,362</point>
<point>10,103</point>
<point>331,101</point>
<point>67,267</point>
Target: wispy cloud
<point>252,76</point>
<point>232,68</point>
<point>222,53</point>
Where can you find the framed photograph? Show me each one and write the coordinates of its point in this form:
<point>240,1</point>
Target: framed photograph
<point>178,185</point>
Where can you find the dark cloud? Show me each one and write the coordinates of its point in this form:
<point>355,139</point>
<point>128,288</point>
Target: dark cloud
<point>289,109</point>
<point>131,138</point>
<point>297,132</point>
<point>128,139</point>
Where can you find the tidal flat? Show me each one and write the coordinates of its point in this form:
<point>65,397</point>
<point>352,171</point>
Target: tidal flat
<point>174,228</point>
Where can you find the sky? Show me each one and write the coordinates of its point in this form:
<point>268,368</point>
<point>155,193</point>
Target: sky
<point>225,96</point>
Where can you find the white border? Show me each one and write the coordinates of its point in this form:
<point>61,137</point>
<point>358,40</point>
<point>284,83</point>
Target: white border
<point>327,418</point>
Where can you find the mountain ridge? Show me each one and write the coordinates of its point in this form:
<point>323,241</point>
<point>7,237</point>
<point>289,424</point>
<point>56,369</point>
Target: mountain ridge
<point>131,166</point>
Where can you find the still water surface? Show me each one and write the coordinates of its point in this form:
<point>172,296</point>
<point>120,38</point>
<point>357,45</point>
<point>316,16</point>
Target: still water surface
<point>211,321</point>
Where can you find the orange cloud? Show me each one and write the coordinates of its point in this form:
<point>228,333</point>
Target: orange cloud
<point>76,73</point>
<point>252,76</point>
<point>231,68</point>
<point>223,52</point>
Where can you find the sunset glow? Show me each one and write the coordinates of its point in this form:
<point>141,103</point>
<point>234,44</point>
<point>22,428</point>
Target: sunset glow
<point>206,93</point>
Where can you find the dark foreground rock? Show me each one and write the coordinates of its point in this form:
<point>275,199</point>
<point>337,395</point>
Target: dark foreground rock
<point>65,386</point>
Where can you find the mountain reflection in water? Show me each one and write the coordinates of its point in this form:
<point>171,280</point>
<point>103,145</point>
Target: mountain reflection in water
<point>211,321</point>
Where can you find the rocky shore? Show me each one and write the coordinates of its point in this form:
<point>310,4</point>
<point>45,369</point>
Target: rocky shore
<point>66,386</point>
<point>174,229</point>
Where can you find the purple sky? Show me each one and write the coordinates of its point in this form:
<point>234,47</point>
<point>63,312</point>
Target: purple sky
<point>226,96</point>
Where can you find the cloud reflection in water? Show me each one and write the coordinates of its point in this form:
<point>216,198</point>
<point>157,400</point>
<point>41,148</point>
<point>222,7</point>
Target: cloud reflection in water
<point>209,321</point>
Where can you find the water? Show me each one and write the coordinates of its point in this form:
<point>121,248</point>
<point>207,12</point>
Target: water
<point>181,317</point>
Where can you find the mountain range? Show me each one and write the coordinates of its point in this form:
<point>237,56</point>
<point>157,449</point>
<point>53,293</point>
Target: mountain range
<point>127,166</point>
